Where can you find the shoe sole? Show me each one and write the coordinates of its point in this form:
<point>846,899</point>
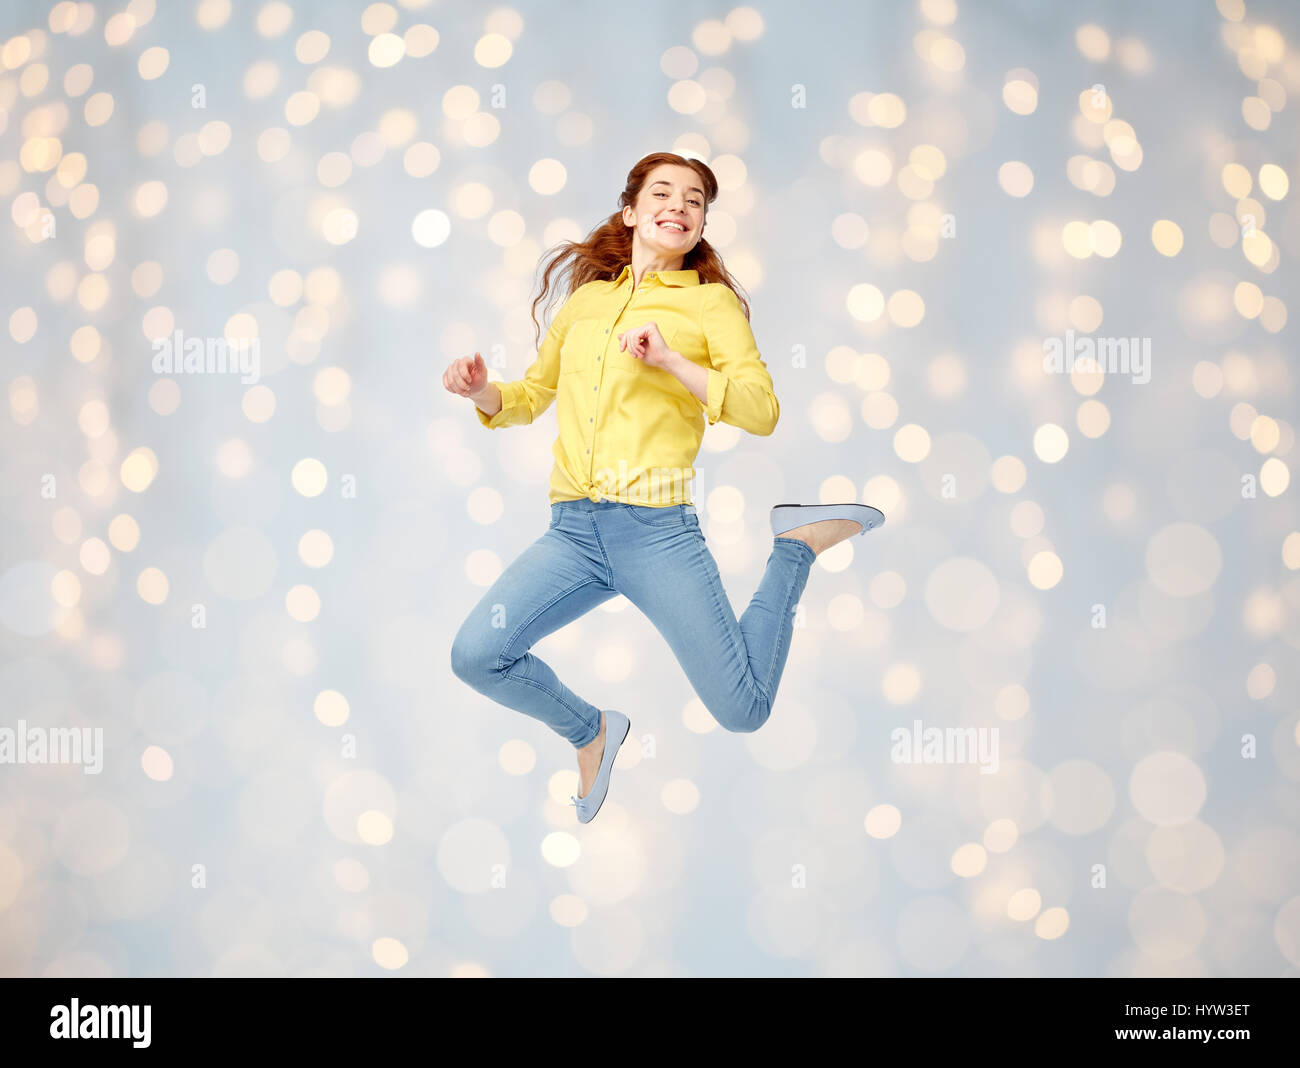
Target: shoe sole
<point>867,517</point>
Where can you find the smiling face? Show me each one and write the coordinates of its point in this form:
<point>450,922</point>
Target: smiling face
<point>668,219</point>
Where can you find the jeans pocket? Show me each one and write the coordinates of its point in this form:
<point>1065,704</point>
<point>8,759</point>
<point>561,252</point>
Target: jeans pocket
<point>671,515</point>
<point>555,516</point>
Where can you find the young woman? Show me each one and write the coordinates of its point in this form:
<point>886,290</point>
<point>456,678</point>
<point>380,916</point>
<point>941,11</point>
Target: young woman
<point>651,342</point>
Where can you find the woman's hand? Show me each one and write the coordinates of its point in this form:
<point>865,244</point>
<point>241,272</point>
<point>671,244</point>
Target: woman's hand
<point>466,377</point>
<point>647,345</point>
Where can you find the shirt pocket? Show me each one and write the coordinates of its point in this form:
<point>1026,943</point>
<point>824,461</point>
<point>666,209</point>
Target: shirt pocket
<point>584,344</point>
<point>688,339</point>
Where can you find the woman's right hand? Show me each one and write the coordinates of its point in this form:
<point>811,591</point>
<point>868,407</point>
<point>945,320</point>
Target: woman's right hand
<point>466,377</point>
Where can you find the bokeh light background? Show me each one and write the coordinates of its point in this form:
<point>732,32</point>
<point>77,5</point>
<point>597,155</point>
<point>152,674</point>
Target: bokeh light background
<point>915,196</point>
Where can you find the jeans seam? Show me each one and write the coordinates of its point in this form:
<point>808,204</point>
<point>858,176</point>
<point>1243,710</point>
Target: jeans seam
<point>557,698</point>
<point>785,613</point>
<point>504,669</point>
<point>609,571</point>
<point>742,653</point>
<point>514,636</point>
<point>807,549</point>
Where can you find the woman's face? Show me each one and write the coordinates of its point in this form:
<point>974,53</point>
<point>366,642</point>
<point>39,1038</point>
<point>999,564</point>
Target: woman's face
<point>668,220</point>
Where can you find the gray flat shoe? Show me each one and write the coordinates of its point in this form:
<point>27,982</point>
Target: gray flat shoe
<point>617,726</point>
<point>788,516</point>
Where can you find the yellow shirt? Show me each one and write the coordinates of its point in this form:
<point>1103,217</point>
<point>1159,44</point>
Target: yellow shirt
<point>627,431</point>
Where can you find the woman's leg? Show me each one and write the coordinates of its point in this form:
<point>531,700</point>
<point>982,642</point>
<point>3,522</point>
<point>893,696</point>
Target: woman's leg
<point>550,584</point>
<point>735,665</point>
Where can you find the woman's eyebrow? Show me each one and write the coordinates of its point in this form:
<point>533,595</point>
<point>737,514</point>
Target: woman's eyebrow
<point>693,189</point>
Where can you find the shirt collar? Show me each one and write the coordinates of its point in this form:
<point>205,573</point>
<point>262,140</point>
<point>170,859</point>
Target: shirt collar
<point>668,278</point>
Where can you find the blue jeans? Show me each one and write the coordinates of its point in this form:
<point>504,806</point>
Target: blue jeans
<point>657,558</point>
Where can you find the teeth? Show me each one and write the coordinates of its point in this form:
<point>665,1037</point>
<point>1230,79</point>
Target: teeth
<point>673,224</point>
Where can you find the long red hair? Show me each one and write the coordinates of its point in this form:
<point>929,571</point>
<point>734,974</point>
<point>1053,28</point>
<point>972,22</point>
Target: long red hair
<point>609,246</point>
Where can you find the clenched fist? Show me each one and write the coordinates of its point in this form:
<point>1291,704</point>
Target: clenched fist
<point>466,377</point>
<point>646,344</point>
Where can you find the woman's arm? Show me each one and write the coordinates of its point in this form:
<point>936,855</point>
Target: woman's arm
<point>518,403</point>
<point>487,400</point>
<point>691,375</point>
<point>737,389</point>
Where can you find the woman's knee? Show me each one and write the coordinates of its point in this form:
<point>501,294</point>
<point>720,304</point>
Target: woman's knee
<point>474,654</point>
<point>741,716</point>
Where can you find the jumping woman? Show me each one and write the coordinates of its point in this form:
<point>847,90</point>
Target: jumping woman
<point>652,341</point>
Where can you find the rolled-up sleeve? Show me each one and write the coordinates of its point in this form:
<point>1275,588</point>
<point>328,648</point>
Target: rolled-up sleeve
<point>740,389</point>
<point>524,399</point>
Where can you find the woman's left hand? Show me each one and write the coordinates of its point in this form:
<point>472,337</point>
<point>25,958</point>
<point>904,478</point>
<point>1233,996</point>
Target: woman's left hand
<point>647,345</point>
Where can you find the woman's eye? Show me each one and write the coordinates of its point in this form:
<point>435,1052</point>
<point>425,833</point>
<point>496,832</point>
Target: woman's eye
<point>694,203</point>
